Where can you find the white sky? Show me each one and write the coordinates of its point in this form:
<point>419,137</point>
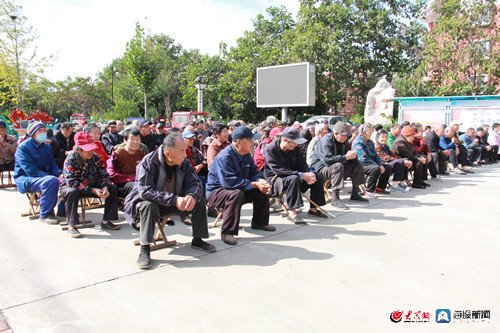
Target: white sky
<point>86,35</point>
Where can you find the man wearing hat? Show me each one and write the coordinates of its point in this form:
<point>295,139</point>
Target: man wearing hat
<point>402,147</point>
<point>334,159</point>
<point>166,185</point>
<point>112,138</point>
<point>146,137</point>
<point>66,140</point>
<point>234,180</point>
<point>35,170</point>
<point>160,134</point>
<point>84,174</point>
<point>8,146</point>
<point>287,171</point>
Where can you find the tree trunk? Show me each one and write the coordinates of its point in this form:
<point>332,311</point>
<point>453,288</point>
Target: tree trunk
<point>145,106</point>
<point>166,104</point>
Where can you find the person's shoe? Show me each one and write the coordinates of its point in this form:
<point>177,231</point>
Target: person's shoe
<point>398,189</point>
<point>61,213</point>
<point>339,204</point>
<point>212,212</point>
<point>444,173</point>
<point>457,171</point>
<point>74,233</point>
<point>381,191</point>
<point>200,244</point>
<point>170,222</point>
<point>144,261</point>
<point>265,227</point>
<point>49,220</point>
<point>296,219</point>
<point>108,225</point>
<point>228,239</point>
<point>186,220</point>
<point>426,184</point>
<point>420,186</point>
<point>357,197</point>
<point>370,195</point>
<point>317,213</point>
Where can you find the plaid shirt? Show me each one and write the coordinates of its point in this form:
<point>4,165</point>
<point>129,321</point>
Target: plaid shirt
<point>84,175</point>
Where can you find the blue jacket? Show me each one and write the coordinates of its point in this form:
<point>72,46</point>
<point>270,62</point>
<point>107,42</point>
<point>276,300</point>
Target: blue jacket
<point>446,143</point>
<point>367,154</point>
<point>468,142</point>
<point>150,178</point>
<point>33,160</point>
<point>231,170</point>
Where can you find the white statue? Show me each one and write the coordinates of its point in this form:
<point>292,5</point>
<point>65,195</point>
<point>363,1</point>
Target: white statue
<point>380,102</point>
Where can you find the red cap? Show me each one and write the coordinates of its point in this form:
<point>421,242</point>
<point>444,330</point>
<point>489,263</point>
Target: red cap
<point>85,141</point>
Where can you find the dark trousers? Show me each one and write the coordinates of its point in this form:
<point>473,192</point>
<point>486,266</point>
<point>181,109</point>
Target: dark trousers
<point>9,166</point>
<point>150,211</point>
<point>71,196</point>
<point>494,153</point>
<point>293,187</point>
<point>453,158</point>
<point>375,178</point>
<point>232,200</point>
<point>474,154</point>
<point>429,167</point>
<point>439,160</point>
<point>338,172</point>
<point>124,189</point>
<point>463,157</point>
<point>418,169</point>
<point>398,169</point>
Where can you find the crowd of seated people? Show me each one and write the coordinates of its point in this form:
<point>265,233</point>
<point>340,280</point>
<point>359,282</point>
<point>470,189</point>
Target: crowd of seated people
<point>209,169</point>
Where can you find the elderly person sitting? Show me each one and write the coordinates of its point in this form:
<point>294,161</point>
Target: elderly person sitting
<point>35,170</point>
<point>123,162</point>
<point>84,174</point>
<point>422,150</point>
<point>95,132</point>
<point>494,140</point>
<point>402,147</point>
<point>219,142</point>
<point>399,165</point>
<point>8,146</point>
<point>320,129</point>
<point>258,154</point>
<point>471,142</point>
<point>448,143</point>
<point>378,174</point>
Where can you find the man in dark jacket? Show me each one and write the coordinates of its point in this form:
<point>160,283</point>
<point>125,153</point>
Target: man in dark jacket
<point>66,140</point>
<point>166,184</point>
<point>146,137</point>
<point>402,147</point>
<point>111,139</point>
<point>334,160</point>
<point>286,170</point>
<point>439,156</point>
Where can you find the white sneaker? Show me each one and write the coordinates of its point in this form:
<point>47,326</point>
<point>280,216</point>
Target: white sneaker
<point>370,195</point>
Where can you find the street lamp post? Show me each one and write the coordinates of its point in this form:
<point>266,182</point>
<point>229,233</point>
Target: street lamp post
<point>18,71</point>
<point>200,85</point>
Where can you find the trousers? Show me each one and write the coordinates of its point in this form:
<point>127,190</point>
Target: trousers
<point>48,186</point>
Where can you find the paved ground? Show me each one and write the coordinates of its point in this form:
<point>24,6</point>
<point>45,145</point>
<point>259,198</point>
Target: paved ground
<point>419,251</point>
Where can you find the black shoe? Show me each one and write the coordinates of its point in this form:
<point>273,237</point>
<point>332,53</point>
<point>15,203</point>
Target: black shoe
<point>200,244</point>
<point>109,226</point>
<point>426,184</point>
<point>444,173</point>
<point>358,198</point>
<point>144,261</point>
<point>61,213</point>
<point>265,227</point>
<point>186,220</point>
<point>212,212</point>
<point>419,186</point>
<point>170,222</point>
<point>317,213</point>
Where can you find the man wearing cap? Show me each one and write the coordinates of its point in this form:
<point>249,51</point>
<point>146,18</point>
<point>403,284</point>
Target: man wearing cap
<point>402,147</point>
<point>166,185</point>
<point>200,130</point>
<point>287,171</point>
<point>111,139</point>
<point>35,170</point>
<point>160,134</point>
<point>334,159</point>
<point>84,174</point>
<point>8,146</point>
<point>146,137</point>
<point>234,180</point>
<point>66,139</point>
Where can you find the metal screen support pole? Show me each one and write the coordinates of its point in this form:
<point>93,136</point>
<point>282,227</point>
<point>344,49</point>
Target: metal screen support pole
<point>284,114</point>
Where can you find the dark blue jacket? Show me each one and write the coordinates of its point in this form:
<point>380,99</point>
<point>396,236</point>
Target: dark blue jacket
<point>367,154</point>
<point>150,178</point>
<point>33,160</point>
<point>231,170</point>
<point>446,143</point>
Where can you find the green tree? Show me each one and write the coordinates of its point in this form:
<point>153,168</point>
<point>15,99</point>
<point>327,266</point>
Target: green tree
<point>461,55</point>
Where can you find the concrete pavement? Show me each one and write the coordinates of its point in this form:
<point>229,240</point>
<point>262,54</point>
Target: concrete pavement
<point>419,251</point>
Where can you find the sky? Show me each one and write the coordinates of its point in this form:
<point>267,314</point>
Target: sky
<point>86,35</point>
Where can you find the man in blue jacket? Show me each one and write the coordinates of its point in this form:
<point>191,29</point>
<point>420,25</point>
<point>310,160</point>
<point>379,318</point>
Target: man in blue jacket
<point>471,142</point>
<point>234,180</point>
<point>166,184</point>
<point>35,170</point>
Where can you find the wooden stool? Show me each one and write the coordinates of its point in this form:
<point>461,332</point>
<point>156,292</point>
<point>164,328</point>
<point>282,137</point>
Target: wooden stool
<point>9,182</point>
<point>82,224</point>
<point>217,219</point>
<point>160,240</point>
<point>34,205</point>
